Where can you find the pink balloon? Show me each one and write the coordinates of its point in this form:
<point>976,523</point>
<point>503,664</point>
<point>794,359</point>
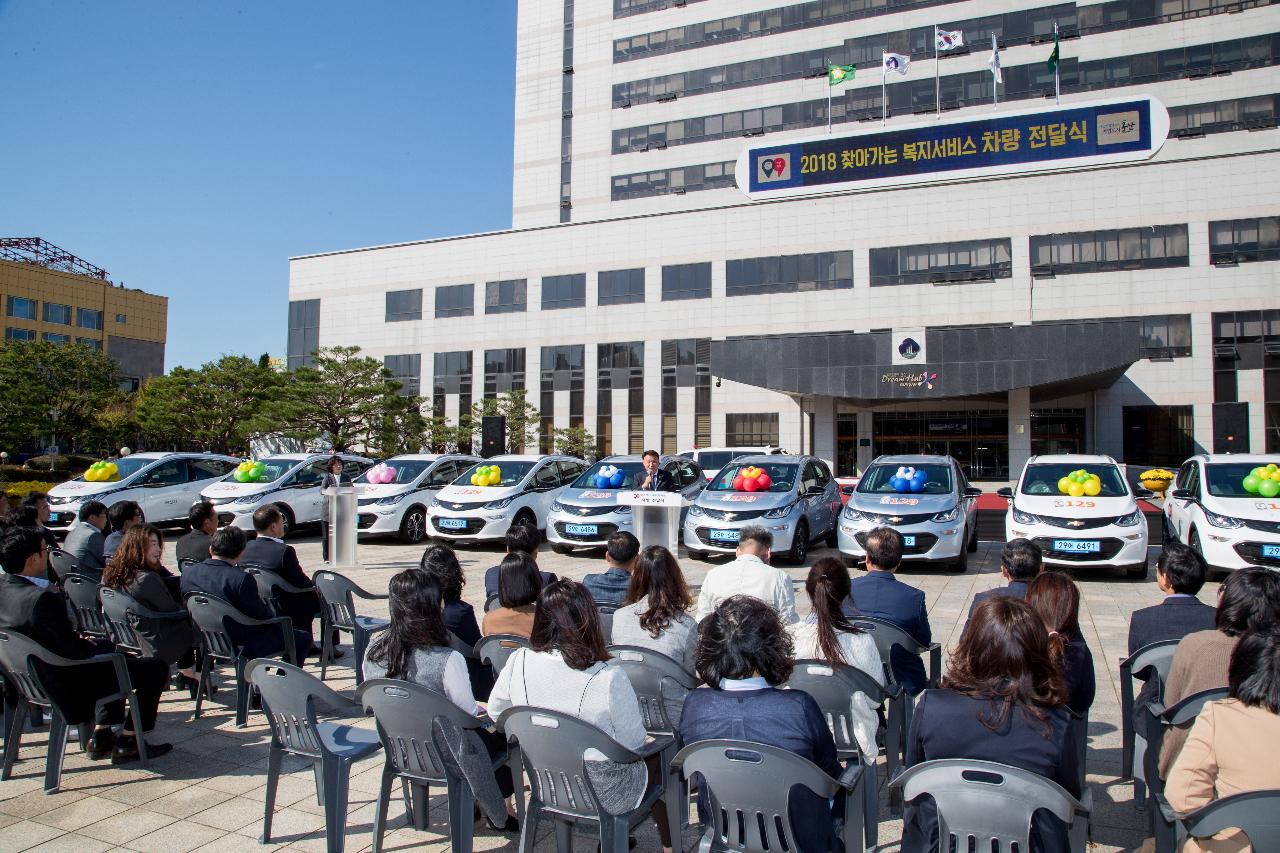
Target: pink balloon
<point>388,474</point>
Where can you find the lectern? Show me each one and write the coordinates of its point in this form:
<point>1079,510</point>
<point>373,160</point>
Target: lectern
<point>342,525</point>
<point>657,517</point>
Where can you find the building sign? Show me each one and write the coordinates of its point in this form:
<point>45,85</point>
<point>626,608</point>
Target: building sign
<point>910,378</point>
<point>908,346</point>
<point>1006,143</point>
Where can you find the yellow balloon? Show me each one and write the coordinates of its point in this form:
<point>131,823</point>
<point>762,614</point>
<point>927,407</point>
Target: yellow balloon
<point>1075,490</point>
<point>1092,488</point>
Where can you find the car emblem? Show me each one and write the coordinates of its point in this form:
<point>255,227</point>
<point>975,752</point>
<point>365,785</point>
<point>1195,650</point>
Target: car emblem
<point>1075,523</point>
<point>585,510</point>
<point>896,519</point>
<point>730,516</point>
<point>457,506</point>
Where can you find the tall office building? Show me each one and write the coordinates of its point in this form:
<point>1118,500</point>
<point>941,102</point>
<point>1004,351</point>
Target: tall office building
<point>1128,308</point>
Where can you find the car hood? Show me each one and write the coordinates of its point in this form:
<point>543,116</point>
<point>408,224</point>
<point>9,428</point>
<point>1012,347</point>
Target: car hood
<point>83,488</point>
<point>476,494</point>
<point>891,503</point>
<point>730,501</point>
<point>373,491</point>
<point>590,497</point>
<point>1253,508</point>
<point>1064,506</point>
<point>232,489</point>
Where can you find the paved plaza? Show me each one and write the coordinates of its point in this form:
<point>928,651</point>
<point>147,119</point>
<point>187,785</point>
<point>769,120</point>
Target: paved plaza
<point>208,793</point>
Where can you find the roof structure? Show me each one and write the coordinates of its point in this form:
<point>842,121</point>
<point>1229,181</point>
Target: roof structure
<point>39,252</point>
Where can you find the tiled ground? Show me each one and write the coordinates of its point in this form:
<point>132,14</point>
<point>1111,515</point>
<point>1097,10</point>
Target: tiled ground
<point>208,793</point>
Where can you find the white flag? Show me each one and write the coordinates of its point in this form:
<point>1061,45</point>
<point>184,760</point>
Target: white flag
<point>947,39</point>
<point>896,62</point>
<point>994,62</point>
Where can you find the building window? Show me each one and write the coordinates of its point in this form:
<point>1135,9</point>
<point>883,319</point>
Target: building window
<point>1242,340</point>
<point>620,366</point>
<point>121,318</point>
<point>59,314</point>
<point>1239,241</point>
<point>452,376</point>
<point>504,297</point>
<point>404,305</point>
<point>15,334</point>
<point>685,179</point>
<point>626,8</point>
<point>91,343</point>
<point>686,363</point>
<point>455,300</point>
<point>54,338</point>
<point>503,371</point>
<point>620,287</point>
<point>751,430</point>
<point>1166,336</point>
<point>87,318</point>
<point>686,281</point>
<point>130,384</point>
<point>564,291</point>
<point>407,370</point>
<point>562,370</point>
<point>304,332</point>
<point>1157,435</point>
<point>941,263</point>
<point>789,273</point>
<point>1194,120</point>
<point>22,308</point>
<point>1146,247</point>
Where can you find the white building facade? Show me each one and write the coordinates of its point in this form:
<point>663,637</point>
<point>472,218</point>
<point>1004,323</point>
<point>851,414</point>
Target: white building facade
<point>640,294</point>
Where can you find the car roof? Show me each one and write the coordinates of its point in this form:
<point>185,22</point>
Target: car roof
<point>1247,458</point>
<point>911,459</point>
<point>300,457</point>
<point>184,454</point>
<point>532,457</point>
<point>1073,459</point>
<point>772,458</point>
<point>754,447</point>
<point>421,457</point>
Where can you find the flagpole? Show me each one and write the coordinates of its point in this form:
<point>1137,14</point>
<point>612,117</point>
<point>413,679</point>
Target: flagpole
<point>828,102</point>
<point>884,104</point>
<point>1057,82</point>
<point>995,78</point>
<point>937,77</point>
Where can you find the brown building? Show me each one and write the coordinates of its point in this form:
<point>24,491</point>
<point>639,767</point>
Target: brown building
<point>50,294</point>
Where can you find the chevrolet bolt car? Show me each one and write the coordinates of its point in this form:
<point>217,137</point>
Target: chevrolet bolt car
<point>291,481</point>
<point>163,484</point>
<point>1102,530</point>
<point>529,485</point>
<point>1213,509</point>
<point>938,522</point>
<point>396,504</point>
<point>585,516</point>
<point>799,507</point>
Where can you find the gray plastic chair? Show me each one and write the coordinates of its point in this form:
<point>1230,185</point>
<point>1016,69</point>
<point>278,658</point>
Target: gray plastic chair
<point>551,747</point>
<point>270,584</point>
<point>17,653</point>
<point>83,594</point>
<point>496,648</point>
<point>122,613</point>
<point>209,613</point>
<point>605,615</point>
<point>887,635</point>
<point>749,787</point>
<point>1155,721</point>
<point>1153,659</point>
<point>289,699</point>
<point>1255,813</point>
<point>406,714</point>
<point>660,684</point>
<point>62,563</point>
<point>985,803</point>
<point>183,565</point>
<point>492,603</point>
<point>338,611</point>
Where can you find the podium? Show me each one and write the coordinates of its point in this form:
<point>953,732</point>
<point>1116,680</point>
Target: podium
<point>657,517</point>
<point>342,524</point>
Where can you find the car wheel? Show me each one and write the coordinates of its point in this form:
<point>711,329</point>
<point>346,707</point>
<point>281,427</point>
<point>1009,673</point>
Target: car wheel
<point>832,539</point>
<point>697,555</point>
<point>972,545</point>
<point>561,549</point>
<point>1136,572</point>
<point>849,562</point>
<point>413,529</point>
<point>799,544</point>
<point>288,520</point>
<point>961,563</point>
<point>524,516</point>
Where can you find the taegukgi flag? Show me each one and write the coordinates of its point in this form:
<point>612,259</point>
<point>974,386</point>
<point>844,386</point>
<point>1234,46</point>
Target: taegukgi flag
<point>948,39</point>
<point>994,61</point>
<point>896,62</point>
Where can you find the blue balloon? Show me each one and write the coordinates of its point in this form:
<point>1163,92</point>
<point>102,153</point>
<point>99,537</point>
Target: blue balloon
<point>919,475</point>
<point>898,483</point>
<point>602,482</point>
<point>617,479</point>
<point>917,485</point>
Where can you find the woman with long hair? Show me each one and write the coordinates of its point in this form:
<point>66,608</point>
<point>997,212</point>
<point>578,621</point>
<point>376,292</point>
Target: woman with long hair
<point>1056,599</point>
<point>656,615</point>
<point>459,616</point>
<point>828,635</point>
<point>1003,699</point>
<point>519,583</point>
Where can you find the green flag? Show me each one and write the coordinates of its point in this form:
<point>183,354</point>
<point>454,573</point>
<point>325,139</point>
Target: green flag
<point>837,74</point>
<point>1053,57</point>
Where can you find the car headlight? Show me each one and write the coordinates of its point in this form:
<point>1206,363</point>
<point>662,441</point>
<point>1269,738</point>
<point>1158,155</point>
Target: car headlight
<point>626,508</point>
<point>948,515</point>
<point>435,502</point>
<point>695,510</point>
<point>780,511</point>
<point>556,506</point>
<point>390,500</point>
<point>1020,517</point>
<point>1224,521</point>
<point>1134,518</point>
<point>851,513</point>
<point>502,504</point>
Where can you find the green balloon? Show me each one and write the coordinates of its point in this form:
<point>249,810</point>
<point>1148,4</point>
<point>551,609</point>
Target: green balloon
<point>1269,488</point>
<point>1251,484</point>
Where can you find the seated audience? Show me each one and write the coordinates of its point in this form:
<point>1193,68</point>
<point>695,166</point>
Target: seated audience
<point>459,616</point>
<point>609,589</point>
<point>1248,600</point>
<point>519,583</point>
<point>122,516</point>
<point>1002,700</point>
<point>1234,745</point>
<point>744,653</point>
<point>269,551</point>
<point>85,542</point>
<point>656,615</point>
<point>1056,600</point>
<point>880,594</point>
<point>41,614</point>
<point>194,546</point>
<point>750,574</point>
<point>565,669</point>
<point>828,635</point>
<point>1020,562</point>
<point>1180,574</point>
<point>521,539</point>
<point>38,502</point>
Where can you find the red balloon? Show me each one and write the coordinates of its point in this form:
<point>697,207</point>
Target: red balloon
<point>737,483</point>
<point>764,481</point>
<point>751,485</point>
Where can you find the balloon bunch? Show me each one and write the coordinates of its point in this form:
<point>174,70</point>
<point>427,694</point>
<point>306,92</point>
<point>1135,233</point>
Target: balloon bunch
<point>752,479</point>
<point>908,479</point>
<point>1263,480</point>
<point>381,474</point>
<point>249,472</point>
<point>487,475</point>
<point>610,477</point>
<point>102,472</point>
<point>1080,482</point>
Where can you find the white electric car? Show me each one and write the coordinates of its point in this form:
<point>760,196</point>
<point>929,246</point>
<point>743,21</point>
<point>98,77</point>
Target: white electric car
<point>1210,509</point>
<point>463,512</point>
<point>291,482</point>
<point>399,507</point>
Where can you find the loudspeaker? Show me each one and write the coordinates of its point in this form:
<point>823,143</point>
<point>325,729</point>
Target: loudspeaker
<point>1230,427</point>
<point>493,436</point>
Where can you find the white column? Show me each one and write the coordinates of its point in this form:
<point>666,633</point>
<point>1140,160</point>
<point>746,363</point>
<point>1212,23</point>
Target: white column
<point>865,427</point>
<point>1019,429</point>
<point>620,412</point>
<point>824,430</point>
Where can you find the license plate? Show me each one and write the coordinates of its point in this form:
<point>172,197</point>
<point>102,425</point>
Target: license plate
<point>64,517</point>
<point>582,529</point>
<point>1271,550</point>
<point>909,541</point>
<point>1077,546</point>
<point>724,535</point>
<point>453,523</point>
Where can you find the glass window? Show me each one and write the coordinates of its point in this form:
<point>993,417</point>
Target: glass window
<point>455,300</point>
<point>942,263</point>
<point>1166,336</point>
<point>304,331</point>
<point>564,291</point>
<point>22,308</point>
<point>172,472</point>
<point>55,338</point>
<point>504,297</point>
<point>751,430</point>
<point>1146,247</point>
<point>207,469</point>
<point>14,334</point>
<point>56,313</point>
<point>621,287</point>
<point>121,318</point>
<point>407,370</point>
<point>92,343</point>
<point>87,318</point>
<point>686,281</point>
<point>404,305</point>
<point>1244,240</point>
<point>789,273</point>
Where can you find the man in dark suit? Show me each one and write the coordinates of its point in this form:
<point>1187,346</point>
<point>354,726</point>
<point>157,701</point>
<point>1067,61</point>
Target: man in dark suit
<point>653,478</point>
<point>880,594</point>
<point>122,516</point>
<point>29,607</point>
<point>269,551</point>
<point>194,546</point>
<point>1020,562</point>
<point>609,588</point>
<point>1180,573</point>
<point>521,539</point>
<point>221,576</point>
<point>85,541</point>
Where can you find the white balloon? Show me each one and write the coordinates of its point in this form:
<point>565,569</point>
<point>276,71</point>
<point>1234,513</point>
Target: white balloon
<point>124,451</point>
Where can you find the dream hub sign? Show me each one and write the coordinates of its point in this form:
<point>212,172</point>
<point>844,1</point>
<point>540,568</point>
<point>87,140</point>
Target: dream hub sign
<point>1074,136</point>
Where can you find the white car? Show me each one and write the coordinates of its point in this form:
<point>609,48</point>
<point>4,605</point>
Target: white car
<point>165,485</point>
<point>1211,510</point>
<point>1101,530</point>
<point>291,481</point>
<point>712,459</point>
<point>528,487</point>
<point>399,507</point>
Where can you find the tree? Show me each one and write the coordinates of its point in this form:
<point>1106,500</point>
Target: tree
<point>575,441</point>
<point>52,390</point>
<point>214,408</point>
<point>522,417</point>
<point>444,437</point>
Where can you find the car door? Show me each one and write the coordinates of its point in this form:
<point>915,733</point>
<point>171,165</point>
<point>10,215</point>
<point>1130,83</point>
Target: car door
<point>303,492</point>
<point>544,488</point>
<point>441,475</point>
<point>830,498</point>
<point>811,498</point>
<point>201,472</point>
<point>163,491</point>
<point>1178,510</point>
<point>970,504</point>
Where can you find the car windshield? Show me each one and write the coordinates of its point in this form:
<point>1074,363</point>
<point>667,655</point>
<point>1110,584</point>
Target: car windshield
<point>782,475</point>
<point>127,466</point>
<point>274,469</point>
<point>512,472</point>
<point>632,472</point>
<point>1043,479</point>
<point>1226,479</point>
<point>407,470</point>
<point>878,479</point>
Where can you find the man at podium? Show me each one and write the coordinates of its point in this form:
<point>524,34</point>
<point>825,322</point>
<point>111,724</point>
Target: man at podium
<point>654,479</point>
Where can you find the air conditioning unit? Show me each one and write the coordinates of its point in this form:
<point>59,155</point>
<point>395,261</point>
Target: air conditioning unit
<point>1225,351</point>
<point>1223,259</point>
<point>1042,271</point>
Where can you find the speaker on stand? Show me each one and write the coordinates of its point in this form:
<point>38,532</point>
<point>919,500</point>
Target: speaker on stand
<point>493,436</point>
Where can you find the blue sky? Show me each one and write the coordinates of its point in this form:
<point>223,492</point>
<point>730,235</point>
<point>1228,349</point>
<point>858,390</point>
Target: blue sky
<point>191,148</point>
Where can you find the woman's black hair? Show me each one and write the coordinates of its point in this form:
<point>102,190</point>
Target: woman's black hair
<point>741,638</point>
<point>1249,600</point>
<point>1254,673</point>
<point>519,581</point>
<point>828,587</point>
<point>439,560</point>
<point>566,621</point>
<point>417,621</point>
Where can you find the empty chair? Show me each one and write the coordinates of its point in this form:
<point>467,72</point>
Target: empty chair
<point>888,635</point>
<point>660,684</point>
<point>83,593</point>
<point>271,584</point>
<point>1155,720</point>
<point>1255,813</point>
<point>62,564</point>
<point>338,612</point>
<point>1151,661</point>
<point>290,698</point>
<point>496,648</point>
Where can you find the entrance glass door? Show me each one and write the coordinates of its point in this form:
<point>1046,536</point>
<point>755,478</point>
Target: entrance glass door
<point>979,441</point>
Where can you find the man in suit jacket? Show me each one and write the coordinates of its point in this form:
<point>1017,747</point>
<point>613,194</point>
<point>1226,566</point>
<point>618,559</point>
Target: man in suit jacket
<point>269,551</point>
<point>521,539</point>
<point>85,541</point>
<point>653,478</point>
<point>30,608</point>
<point>1180,573</point>
<point>879,593</point>
<point>194,546</point>
<point>609,588</point>
<point>1020,562</point>
<point>122,516</point>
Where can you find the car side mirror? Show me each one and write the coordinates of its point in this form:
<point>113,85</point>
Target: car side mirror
<point>815,490</point>
<point>1180,494</point>
<point>1143,493</point>
<point>1005,492</point>
<point>973,492</point>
